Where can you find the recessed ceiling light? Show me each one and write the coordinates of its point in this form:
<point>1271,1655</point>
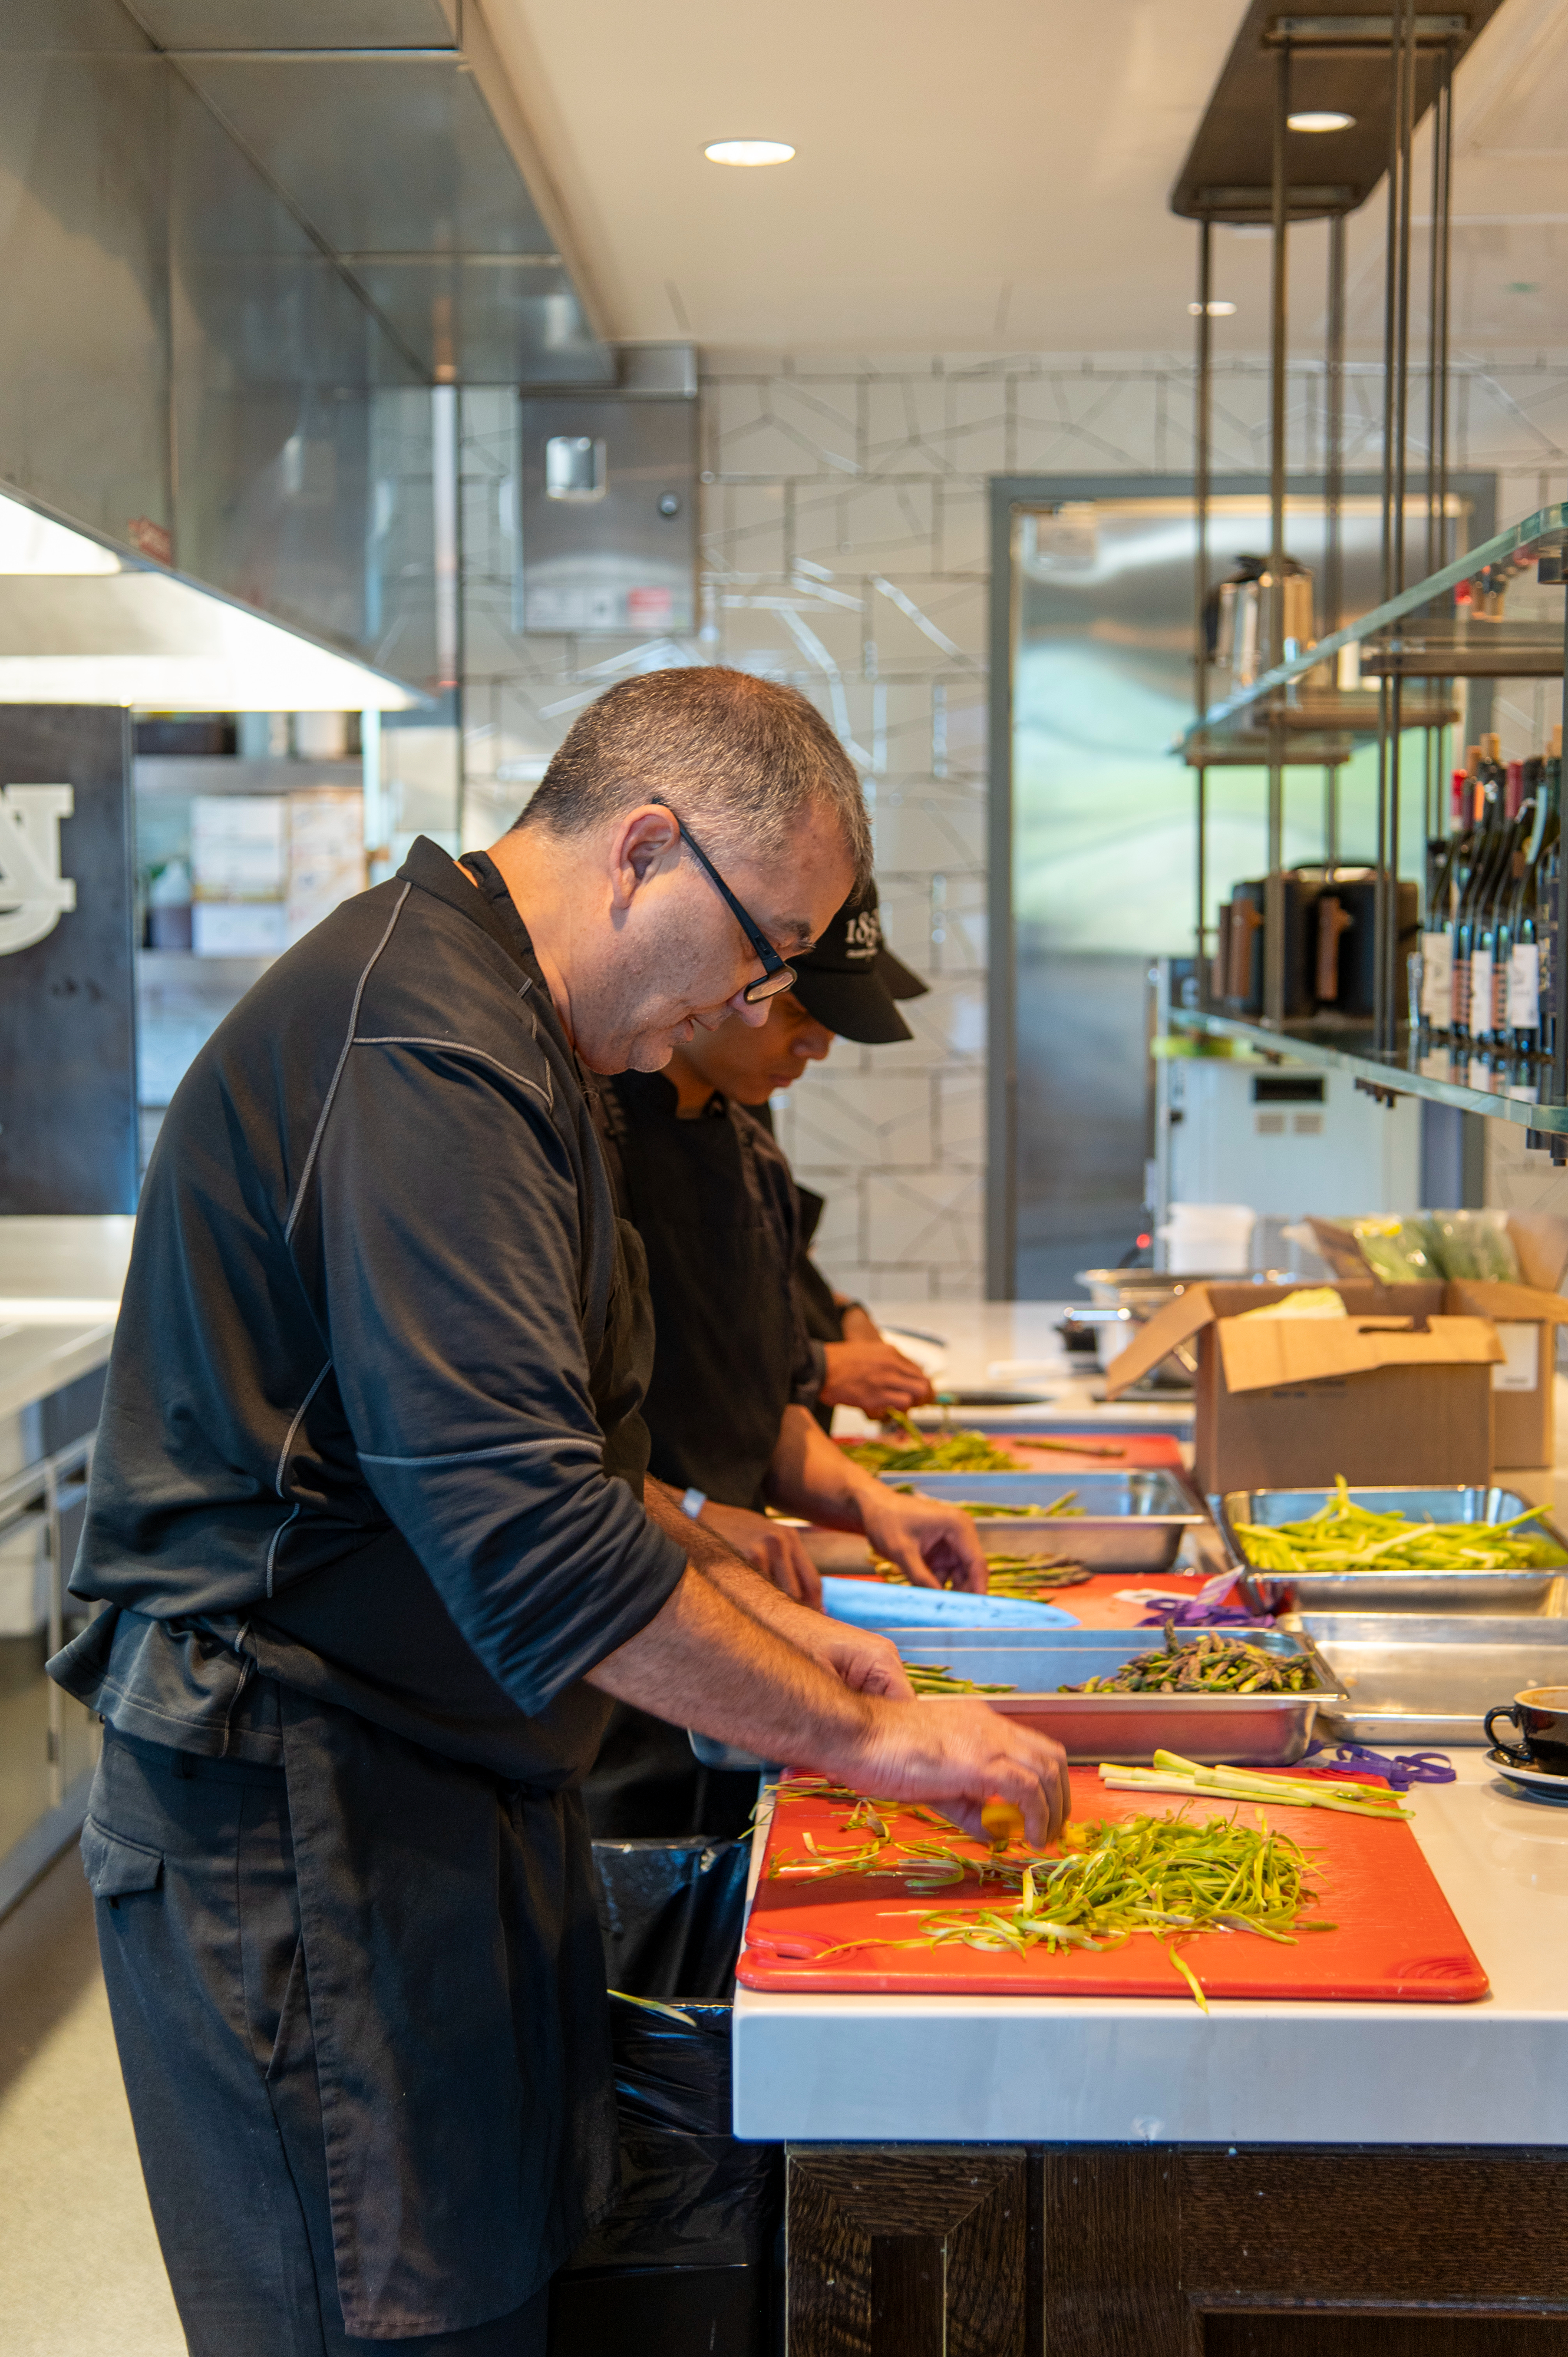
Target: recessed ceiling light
<point>1218,311</point>
<point>748,151</point>
<point>1324,119</point>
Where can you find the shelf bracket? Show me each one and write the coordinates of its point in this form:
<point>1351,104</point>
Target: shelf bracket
<point>1387,1098</point>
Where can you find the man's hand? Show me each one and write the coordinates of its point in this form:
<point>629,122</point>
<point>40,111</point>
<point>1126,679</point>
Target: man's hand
<point>701,1661</point>
<point>958,1755</point>
<point>935,1543</point>
<point>872,1664</point>
<point>772,1548</point>
<point>874,1377</point>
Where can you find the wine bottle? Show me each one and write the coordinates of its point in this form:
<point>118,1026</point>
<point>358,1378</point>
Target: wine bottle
<point>1548,864</point>
<point>1484,845</point>
<point>1523,787</point>
<point>1521,989</point>
<point>1443,854</point>
<point>1487,1031</point>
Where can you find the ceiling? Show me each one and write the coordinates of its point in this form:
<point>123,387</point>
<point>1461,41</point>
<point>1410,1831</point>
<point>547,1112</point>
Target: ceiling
<point>990,179</point>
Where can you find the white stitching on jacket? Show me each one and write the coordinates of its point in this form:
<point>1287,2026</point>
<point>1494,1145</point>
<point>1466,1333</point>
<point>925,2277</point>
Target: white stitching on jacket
<point>457,1047</point>
<point>337,1074</point>
<point>555,1441</point>
<point>294,1428</point>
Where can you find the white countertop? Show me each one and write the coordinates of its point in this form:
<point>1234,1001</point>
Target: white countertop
<point>61,1279</point>
<point>1120,2069</point>
<point>1015,1344</point>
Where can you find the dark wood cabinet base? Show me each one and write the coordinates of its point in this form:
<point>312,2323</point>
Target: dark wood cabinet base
<point>1176,2251</point>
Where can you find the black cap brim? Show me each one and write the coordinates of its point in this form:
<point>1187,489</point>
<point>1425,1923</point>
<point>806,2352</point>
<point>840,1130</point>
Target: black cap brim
<point>858,1006</point>
<point>896,979</point>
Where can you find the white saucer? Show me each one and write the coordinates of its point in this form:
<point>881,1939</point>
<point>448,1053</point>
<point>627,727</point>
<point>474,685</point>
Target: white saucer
<point>1541,1783</point>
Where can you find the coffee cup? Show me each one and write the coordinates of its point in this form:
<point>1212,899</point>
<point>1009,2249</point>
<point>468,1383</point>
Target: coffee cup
<point>1539,1717</point>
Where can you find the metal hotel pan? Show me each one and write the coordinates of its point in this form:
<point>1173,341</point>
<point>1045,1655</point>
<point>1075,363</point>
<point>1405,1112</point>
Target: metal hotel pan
<point>1538,1591</point>
<point>1413,1679</point>
<point>1259,1730</point>
<point>1132,1522</point>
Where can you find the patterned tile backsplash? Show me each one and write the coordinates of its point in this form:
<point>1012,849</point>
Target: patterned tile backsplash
<point>844,539</point>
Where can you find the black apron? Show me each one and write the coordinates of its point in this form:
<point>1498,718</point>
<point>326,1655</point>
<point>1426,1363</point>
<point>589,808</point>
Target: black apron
<point>456,1980</point>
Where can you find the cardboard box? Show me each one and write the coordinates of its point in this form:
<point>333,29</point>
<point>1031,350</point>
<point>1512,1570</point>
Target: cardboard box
<point>1526,1316</point>
<point>1400,1391</point>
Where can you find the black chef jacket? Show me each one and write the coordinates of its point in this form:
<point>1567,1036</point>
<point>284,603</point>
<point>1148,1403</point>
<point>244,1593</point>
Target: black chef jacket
<point>819,1313</point>
<point>716,1206</point>
<point>371,1429</point>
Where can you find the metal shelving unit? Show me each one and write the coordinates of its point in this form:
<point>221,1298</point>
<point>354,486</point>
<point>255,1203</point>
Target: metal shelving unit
<point>1415,628</point>
<point>1383,73</point>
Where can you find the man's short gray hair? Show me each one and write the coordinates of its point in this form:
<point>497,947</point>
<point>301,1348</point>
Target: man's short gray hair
<point>741,758</point>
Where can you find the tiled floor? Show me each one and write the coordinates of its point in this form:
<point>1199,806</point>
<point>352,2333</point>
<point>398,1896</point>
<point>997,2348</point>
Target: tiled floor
<point>79,2269</point>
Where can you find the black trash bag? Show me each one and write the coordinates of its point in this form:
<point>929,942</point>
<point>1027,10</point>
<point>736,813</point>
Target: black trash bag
<point>685,2261</point>
<point>672,1913</point>
<point>647,1782</point>
<point>691,2195</point>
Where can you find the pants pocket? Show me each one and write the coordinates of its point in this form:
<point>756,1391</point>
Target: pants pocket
<point>116,1868</point>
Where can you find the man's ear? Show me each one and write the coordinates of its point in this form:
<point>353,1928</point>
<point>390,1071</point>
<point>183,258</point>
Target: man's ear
<point>645,840</point>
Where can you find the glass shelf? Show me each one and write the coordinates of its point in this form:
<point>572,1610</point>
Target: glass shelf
<point>1437,648</point>
<point>1345,1045</point>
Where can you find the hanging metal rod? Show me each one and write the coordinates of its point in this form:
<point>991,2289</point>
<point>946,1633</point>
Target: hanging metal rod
<point>1347,31</point>
<point>417,260</point>
<point>445,55</point>
<point>1320,199</point>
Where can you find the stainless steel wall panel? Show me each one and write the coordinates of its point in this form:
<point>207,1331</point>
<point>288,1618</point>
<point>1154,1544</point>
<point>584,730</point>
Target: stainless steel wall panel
<point>398,166</point>
<point>83,206</point>
<point>294,24</point>
<point>625,560</point>
<point>277,366</point>
<point>68,1050</point>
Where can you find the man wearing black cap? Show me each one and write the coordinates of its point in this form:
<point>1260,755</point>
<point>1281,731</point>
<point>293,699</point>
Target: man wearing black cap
<point>846,986</point>
<point>749,1336</point>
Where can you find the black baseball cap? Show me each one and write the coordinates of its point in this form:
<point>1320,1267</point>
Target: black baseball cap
<point>849,982</point>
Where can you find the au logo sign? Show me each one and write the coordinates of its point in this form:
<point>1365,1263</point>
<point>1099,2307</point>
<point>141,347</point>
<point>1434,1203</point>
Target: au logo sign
<point>34,895</point>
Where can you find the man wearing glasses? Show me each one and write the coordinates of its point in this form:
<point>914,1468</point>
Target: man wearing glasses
<point>369,1520</point>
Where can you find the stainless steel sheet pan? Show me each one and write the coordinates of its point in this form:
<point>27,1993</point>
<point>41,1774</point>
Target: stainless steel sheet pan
<point>1132,1520</point>
<point>1261,1730</point>
<point>1476,1591</point>
<point>1417,1678</point>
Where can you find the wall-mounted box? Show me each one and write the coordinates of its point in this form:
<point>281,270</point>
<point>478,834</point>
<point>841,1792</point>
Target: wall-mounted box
<point>609,513</point>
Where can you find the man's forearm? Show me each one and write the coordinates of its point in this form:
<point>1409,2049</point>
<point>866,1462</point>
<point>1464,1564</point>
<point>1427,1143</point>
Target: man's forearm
<point>810,1475</point>
<point>717,1561</point>
<point>703,1663</point>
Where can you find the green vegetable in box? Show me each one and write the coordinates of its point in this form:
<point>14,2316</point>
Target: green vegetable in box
<point>1396,1251</point>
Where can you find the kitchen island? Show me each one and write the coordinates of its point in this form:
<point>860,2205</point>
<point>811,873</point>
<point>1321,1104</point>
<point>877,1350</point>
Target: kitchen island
<point>1133,2178</point>
<point>1105,2178</point>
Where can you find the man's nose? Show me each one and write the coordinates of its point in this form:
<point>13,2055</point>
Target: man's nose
<point>753,1015</point>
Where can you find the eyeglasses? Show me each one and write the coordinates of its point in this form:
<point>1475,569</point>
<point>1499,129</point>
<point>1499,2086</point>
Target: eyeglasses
<point>776,975</point>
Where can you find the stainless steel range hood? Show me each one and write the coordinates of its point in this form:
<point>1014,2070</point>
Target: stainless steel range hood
<point>390,131</point>
<point>84,622</point>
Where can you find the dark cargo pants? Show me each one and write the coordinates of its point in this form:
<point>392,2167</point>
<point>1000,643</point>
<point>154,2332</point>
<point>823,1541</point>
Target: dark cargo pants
<point>191,1867</point>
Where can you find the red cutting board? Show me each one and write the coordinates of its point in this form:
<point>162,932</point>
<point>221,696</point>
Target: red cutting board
<point>1396,1936</point>
<point>1084,1452</point>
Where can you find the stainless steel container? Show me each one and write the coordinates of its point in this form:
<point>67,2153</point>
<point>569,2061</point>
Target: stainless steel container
<point>1371,1590</point>
<point>1132,1522</point>
<point>1258,1730</point>
<point>1414,1678</point>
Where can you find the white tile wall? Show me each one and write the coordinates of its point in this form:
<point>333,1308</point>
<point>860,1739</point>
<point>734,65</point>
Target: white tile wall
<point>845,549</point>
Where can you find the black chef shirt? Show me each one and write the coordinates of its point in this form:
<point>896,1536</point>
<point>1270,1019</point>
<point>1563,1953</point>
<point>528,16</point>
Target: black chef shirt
<point>371,1429</point>
<point>714,1201</point>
